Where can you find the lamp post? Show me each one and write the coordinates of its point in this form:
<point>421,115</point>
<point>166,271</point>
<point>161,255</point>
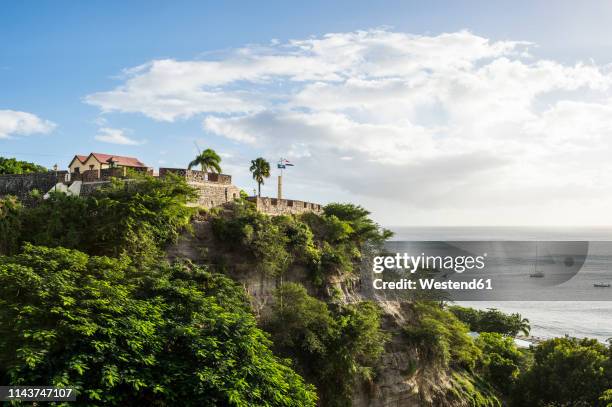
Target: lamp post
<point>55,167</point>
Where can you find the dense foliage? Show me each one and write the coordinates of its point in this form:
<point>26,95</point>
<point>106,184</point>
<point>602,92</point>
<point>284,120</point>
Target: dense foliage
<point>441,337</point>
<point>10,224</point>
<point>501,361</point>
<point>171,336</point>
<point>491,320</point>
<point>328,244</point>
<point>442,340</point>
<point>13,166</point>
<point>567,372</point>
<point>334,346</point>
<point>135,218</point>
<point>129,329</point>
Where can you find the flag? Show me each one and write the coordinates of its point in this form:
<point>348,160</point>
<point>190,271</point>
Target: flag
<point>282,164</point>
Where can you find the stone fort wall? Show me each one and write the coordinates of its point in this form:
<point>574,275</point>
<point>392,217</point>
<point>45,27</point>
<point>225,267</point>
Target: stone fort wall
<point>213,189</point>
<point>21,185</point>
<point>275,207</point>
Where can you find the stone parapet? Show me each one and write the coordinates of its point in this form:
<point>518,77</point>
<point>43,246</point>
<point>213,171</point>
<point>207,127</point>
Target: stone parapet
<point>274,206</point>
<point>21,185</point>
<point>197,176</point>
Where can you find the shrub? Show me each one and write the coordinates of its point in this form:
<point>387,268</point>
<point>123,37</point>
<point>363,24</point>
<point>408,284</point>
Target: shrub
<point>334,348</point>
<point>501,361</point>
<point>441,337</point>
<point>10,224</point>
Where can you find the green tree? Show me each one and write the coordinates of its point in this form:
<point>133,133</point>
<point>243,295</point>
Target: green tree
<point>208,160</point>
<point>501,361</point>
<point>13,166</point>
<point>441,336</point>
<point>492,320</point>
<point>135,218</point>
<point>10,224</point>
<point>566,371</point>
<point>335,348</point>
<point>174,335</point>
<point>260,168</point>
<point>606,398</point>
<point>361,225</point>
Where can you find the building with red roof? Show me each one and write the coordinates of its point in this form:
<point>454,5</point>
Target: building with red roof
<point>100,161</point>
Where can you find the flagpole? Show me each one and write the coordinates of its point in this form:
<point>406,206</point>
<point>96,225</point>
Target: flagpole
<point>280,180</point>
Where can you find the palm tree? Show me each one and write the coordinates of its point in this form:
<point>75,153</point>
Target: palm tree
<point>260,169</point>
<point>207,160</point>
<point>524,326</point>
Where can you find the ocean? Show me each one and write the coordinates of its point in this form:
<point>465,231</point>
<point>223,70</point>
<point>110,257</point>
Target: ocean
<point>592,319</point>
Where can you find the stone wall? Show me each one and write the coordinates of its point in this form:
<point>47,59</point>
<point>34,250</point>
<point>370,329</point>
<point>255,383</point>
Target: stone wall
<point>197,176</point>
<point>108,173</point>
<point>275,207</point>
<point>105,174</point>
<point>21,185</point>
<point>211,194</point>
<point>213,189</point>
<point>88,188</point>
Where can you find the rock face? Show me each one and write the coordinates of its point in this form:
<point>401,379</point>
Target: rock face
<point>403,377</point>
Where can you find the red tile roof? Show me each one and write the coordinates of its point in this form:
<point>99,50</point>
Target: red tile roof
<point>117,159</point>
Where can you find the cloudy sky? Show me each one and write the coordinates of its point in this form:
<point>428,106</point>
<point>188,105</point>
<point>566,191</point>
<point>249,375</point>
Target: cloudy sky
<point>439,114</point>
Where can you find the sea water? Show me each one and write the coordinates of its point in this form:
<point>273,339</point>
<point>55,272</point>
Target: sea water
<point>548,319</point>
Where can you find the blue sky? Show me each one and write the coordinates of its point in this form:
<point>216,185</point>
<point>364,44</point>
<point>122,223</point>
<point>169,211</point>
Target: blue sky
<point>54,55</point>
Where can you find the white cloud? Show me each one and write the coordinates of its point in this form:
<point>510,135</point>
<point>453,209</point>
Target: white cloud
<point>15,123</point>
<point>116,136</point>
<point>453,121</point>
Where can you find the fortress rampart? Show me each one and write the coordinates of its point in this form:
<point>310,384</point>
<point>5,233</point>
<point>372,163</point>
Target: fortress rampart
<point>197,176</point>
<point>21,185</point>
<point>273,206</point>
<point>213,189</point>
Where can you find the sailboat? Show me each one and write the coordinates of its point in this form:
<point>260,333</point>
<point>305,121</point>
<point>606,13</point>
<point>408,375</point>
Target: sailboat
<point>536,273</point>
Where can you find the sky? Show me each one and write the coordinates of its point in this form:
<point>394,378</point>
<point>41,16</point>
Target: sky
<point>426,113</point>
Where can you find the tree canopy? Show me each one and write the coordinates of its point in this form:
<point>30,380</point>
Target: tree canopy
<point>175,335</point>
<point>13,166</point>
<point>260,168</point>
<point>567,371</point>
<point>208,160</point>
<point>136,218</point>
<point>335,347</point>
<point>492,320</point>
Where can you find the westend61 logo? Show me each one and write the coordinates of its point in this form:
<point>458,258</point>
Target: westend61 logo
<point>404,261</point>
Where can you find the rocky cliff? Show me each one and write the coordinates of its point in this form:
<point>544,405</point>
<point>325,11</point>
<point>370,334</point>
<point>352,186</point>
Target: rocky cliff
<point>404,376</point>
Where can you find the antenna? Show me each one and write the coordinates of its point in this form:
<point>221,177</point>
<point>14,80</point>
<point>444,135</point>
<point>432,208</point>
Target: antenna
<point>197,146</point>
